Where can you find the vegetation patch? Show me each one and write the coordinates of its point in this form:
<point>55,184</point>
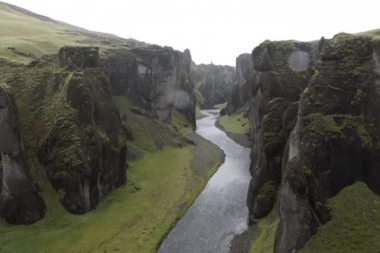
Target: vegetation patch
<point>266,233</point>
<point>220,106</point>
<point>354,226</point>
<point>237,123</point>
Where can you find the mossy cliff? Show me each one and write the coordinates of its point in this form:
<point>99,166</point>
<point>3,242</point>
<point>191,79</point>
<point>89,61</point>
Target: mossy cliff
<point>281,72</point>
<point>69,121</point>
<point>214,82</point>
<point>314,147</point>
<point>20,203</point>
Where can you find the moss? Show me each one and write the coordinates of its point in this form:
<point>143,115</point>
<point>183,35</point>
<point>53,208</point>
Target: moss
<point>237,123</point>
<point>268,191</point>
<point>354,224</point>
<point>327,125</point>
<point>264,241</point>
<point>220,106</point>
<point>199,115</point>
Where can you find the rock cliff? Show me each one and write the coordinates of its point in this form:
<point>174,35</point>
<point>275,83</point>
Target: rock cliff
<point>214,82</point>
<point>71,124</point>
<point>314,128</point>
<point>155,78</point>
<point>240,94</point>
<point>20,203</point>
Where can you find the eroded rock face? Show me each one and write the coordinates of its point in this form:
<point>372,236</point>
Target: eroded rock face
<point>282,71</point>
<point>155,78</point>
<point>85,151</point>
<point>335,140</point>
<point>214,82</point>
<point>20,203</point>
<point>241,92</point>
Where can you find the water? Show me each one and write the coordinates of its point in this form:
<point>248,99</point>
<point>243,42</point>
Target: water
<point>220,212</point>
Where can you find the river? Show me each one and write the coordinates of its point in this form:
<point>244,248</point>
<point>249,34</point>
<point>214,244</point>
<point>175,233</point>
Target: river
<point>220,212</point>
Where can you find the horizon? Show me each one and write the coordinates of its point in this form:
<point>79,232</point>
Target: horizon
<point>201,26</point>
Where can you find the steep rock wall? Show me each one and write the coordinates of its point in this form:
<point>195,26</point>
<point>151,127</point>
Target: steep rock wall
<point>214,83</point>
<point>154,78</point>
<point>241,90</point>
<point>335,140</point>
<point>314,132</point>
<point>20,203</point>
<point>71,124</point>
<point>281,72</point>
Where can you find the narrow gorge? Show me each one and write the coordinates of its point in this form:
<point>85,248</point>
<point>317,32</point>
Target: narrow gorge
<point>115,145</point>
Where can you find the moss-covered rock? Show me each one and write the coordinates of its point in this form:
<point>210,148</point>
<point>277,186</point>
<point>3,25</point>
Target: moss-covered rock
<point>281,73</point>
<point>20,203</point>
<point>335,139</point>
<point>70,122</point>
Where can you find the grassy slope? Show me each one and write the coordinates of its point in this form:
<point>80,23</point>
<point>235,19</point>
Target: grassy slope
<point>355,226</point>
<point>36,35</point>
<point>235,124</point>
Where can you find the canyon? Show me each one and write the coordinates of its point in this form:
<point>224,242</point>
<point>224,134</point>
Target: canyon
<point>112,144</point>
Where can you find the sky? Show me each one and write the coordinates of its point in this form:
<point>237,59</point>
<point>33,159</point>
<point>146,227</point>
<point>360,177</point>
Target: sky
<point>215,31</point>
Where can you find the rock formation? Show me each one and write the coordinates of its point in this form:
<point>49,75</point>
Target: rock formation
<point>72,124</point>
<point>20,203</point>
<point>308,151</point>
<point>240,94</point>
<point>155,78</point>
<point>214,83</point>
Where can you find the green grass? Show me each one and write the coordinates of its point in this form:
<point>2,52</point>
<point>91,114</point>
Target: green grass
<point>355,225</point>
<point>235,124</point>
<point>220,106</point>
<point>132,219</point>
<point>265,239</point>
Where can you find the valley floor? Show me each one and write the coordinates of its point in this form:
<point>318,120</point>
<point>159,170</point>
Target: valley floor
<point>134,218</point>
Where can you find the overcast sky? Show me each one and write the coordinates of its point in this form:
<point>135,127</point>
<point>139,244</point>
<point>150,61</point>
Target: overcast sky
<point>213,30</point>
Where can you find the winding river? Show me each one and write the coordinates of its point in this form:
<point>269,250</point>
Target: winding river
<point>220,212</point>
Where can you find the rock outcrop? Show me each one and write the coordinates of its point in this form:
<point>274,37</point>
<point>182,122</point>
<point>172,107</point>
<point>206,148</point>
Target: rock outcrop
<point>155,78</point>
<point>71,124</point>
<point>20,203</point>
<point>282,71</point>
<point>313,134</point>
<point>241,90</point>
<point>214,83</point>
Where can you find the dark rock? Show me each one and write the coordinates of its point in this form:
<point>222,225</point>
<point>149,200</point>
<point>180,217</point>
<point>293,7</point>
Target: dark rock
<point>20,202</point>
<point>334,142</point>
<point>154,78</point>
<point>79,57</point>
<point>281,72</point>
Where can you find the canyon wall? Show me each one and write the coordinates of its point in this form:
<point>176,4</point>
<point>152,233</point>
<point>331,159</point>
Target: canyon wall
<point>314,129</point>
<point>214,82</point>
<point>240,94</point>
